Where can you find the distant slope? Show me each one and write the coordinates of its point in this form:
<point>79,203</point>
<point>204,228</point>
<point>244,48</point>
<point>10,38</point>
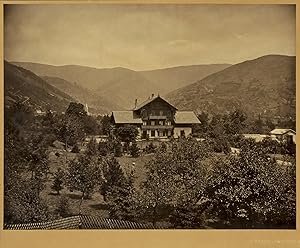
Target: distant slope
<point>96,103</point>
<point>263,85</point>
<point>180,76</point>
<point>24,85</point>
<point>126,86</point>
<point>122,86</point>
<point>87,77</point>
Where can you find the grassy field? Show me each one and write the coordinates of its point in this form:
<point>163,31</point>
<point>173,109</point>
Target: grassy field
<point>96,206</point>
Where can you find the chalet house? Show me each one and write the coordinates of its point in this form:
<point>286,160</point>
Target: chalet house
<point>284,135</point>
<point>156,118</point>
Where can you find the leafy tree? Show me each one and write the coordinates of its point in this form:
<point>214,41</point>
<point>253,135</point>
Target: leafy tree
<point>189,216</point>
<point>113,175</point>
<point>271,146</point>
<point>84,175</point>
<point>117,190</point>
<point>75,149</point>
<point>127,133</point>
<point>26,144</point>
<point>71,130</point>
<point>58,181</point>
<point>117,148</point>
<point>150,148</point>
<point>106,125</point>
<point>91,126</point>
<point>63,207</point>
<point>24,205</point>
<point>202,128</point>
<point>121,201</point>
<point>76,109</point>
<point>92,148</point>
<point>134,150</point>
<point>175,177</point>
<point>103,148</point>
<point>234,122</point>
<point>270,124</point>
<point>249,191</point>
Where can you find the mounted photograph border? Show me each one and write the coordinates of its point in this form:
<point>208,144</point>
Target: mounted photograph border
<point>150,238</point>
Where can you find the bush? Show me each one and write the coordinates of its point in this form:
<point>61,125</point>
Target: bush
<point>58,181</point>
<point>75,149</point>
<point>150,148</point>
<point>118,149</point>
<point>134,150</point>
<point>253,191</point>
<point>63,207</point>
<point>103,148</point>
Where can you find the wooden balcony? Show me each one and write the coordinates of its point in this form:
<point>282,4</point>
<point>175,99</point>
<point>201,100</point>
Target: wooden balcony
<point>147,127</point>
<point>156,117</point>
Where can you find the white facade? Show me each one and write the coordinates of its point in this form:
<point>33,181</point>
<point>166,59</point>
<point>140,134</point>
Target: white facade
<point>179,131</point>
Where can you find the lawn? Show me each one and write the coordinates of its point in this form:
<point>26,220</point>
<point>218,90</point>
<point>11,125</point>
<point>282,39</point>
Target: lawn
<point>95,206</point>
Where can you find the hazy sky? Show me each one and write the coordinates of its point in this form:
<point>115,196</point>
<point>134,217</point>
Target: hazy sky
<point>147,36</point>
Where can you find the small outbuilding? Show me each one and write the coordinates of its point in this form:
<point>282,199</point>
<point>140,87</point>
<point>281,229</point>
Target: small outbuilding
<point>284,135</point>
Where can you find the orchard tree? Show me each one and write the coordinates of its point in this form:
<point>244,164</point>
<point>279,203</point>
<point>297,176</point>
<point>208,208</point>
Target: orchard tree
<point>121,199</point>
<point>127,133</point>
<point>84,174</point>
<point>76,109</point>
<point>90,125</point>
<point>134,150</point>
<point>92,148</point>
<point>58,181</point>
<point>63,206</point>
<point>71,130</point>
<point>113,175</point>
<point>175,178</point>
<point>253,190</point>
<point>118,190</point>
<point>106,125</point>
<point>103,148</point>
<point>202,128</point>
<point>23,204</point>
<point>117,146</point>
<point>234,122</point>
<point>72,126</point>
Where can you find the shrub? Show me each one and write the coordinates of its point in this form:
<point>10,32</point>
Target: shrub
<point>75,149</point>
<point>134,150</point>
<point>63,207</point>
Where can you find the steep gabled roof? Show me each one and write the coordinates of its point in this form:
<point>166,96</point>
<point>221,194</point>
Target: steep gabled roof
<point>281,131</point>
<point>126,117</point>
<point>151,100</point>
<point>186,117</point>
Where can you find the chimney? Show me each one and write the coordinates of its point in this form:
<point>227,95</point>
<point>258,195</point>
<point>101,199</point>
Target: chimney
<point>152,95</point>
<point>135,103</point>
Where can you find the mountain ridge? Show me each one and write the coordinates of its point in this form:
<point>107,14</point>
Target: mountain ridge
<point>123,85</point>
<point>262,85</point>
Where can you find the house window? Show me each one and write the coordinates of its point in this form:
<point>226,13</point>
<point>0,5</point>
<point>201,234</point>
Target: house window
<point>161,112</point>
<point>161,123</point>
<point>152,133</point>
<point>144,123</point>
<point>152,123</point>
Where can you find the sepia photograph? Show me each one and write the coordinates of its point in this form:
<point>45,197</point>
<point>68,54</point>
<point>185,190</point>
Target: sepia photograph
<point>149,116</point>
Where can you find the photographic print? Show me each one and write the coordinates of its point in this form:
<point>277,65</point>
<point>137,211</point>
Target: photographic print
<point>149,116</point>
